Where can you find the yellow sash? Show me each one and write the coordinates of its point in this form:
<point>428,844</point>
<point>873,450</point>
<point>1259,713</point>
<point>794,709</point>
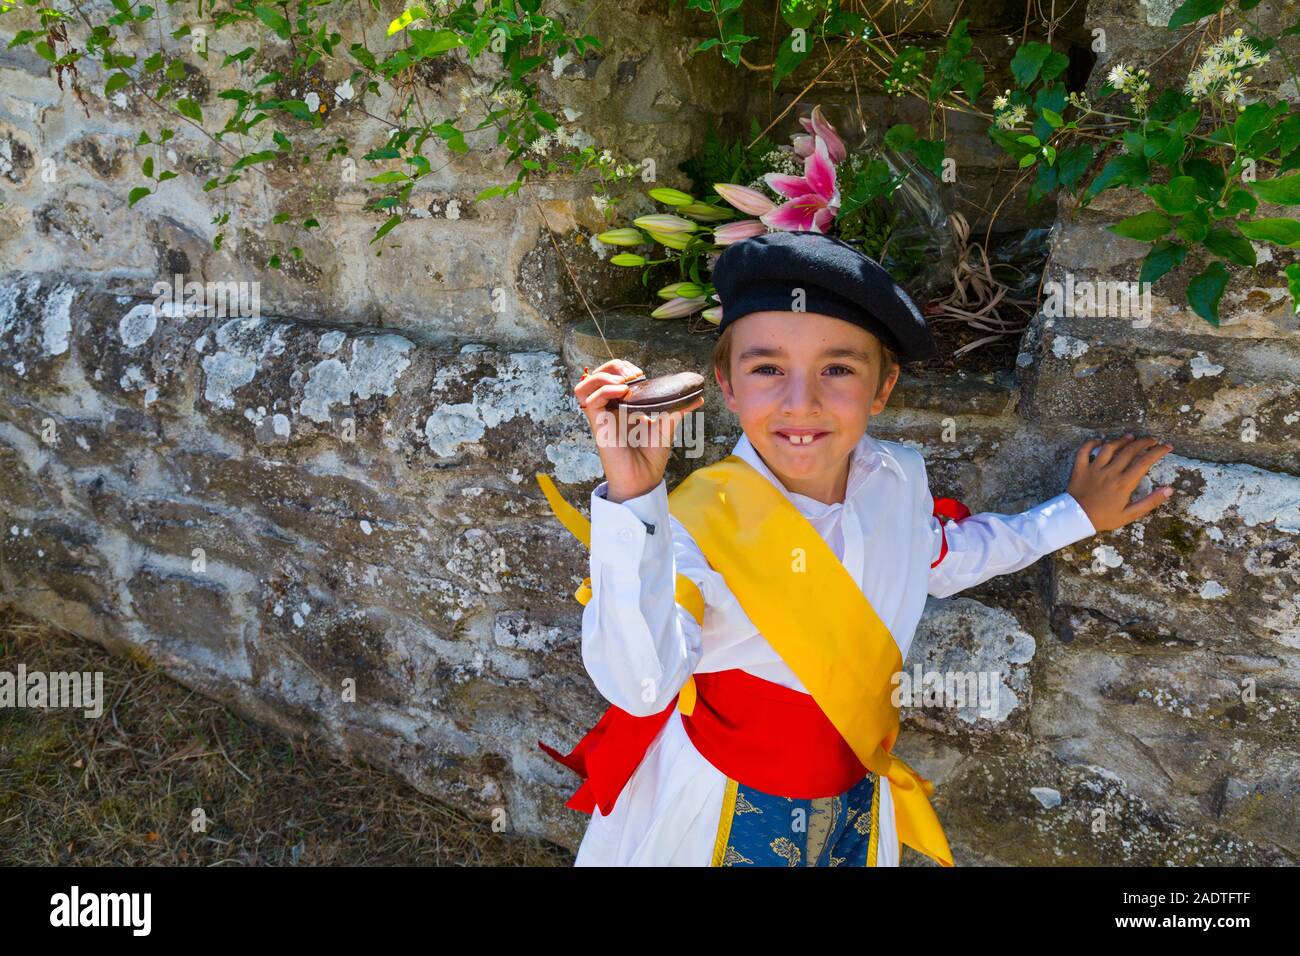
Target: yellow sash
<point>808,607</point>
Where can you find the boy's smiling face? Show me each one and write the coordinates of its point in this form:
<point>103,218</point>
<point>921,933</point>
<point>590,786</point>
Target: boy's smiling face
<point>805,374</point>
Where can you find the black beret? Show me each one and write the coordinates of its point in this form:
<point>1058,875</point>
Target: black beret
<point>761,274</point>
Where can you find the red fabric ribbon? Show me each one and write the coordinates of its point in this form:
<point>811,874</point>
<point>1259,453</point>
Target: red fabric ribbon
<point>755,731</point>
<point>952,509</point>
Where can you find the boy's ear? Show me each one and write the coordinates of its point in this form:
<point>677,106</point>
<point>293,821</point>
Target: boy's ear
<point>885,389</point>
<point>725,386</point>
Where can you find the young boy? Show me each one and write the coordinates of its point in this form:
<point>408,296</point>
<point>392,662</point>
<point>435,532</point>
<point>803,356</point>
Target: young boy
<point>747,627</point>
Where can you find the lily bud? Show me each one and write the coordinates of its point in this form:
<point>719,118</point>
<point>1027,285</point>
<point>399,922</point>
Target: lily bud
<point>736,231</point>
<point>622,237</point>
<point>747,200</point>
<point>672,242</point>
<point>666,224</point>
<point>706,212</point>
<point>713,315</point>
<point>671,197</point>
<point>685,290</point>
<point>679,308</point>
<point>627,259</point>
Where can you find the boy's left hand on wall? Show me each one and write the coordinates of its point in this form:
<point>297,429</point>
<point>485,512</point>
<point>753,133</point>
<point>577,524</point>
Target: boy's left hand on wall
<point>1104,485</point>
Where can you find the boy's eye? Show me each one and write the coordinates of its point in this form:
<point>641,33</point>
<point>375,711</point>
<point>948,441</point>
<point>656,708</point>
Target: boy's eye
<point>845,367</point>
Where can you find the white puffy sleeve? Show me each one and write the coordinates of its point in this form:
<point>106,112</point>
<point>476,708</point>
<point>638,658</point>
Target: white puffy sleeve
<point>971,550</point>
<point>638,644</point>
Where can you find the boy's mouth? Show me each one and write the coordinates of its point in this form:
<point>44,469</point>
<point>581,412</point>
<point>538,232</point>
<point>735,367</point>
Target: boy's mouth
<point>802,436</point>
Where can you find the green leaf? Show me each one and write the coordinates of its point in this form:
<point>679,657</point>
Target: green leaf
<point>1228,245</point>
<point>1053,118</point>
<point>787,59</point>
<point>1208,176</point>
<point>190,109</point>
<point>44,51</point>
<point>433,42</point>
<point>1206,289</point>
<point>147,167</point>
<point>1190,12</point>
<point>1178,197</point>
<point>1280,232</point>
<point>1253,119</point>
<point>1238,201</point>
<point>408,16</point>
<point>1293,285</point>
<point>1163,257</point>
<point>1028,61</point>
<point>1073,163</point>
<point>1122,170</point>
<point>273,20</point>
<point>392,176</point>
<point>239,57</point>
<point>115,83</point>
<point>386,228</point>
<point>1145,226</point>
<point>930,154</point>
<point>1284,190</point>
<point>1195,226</point>
<point>265,156</point>
<point>900,136</point>
<point>137,194</point>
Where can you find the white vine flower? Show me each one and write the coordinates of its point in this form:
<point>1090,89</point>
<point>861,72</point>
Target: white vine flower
<point>1011,117</point>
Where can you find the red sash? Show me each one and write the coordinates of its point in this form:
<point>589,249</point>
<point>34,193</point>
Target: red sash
<point>762,734</point>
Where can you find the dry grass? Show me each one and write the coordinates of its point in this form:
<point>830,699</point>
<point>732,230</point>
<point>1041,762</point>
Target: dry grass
<point>121,789</point>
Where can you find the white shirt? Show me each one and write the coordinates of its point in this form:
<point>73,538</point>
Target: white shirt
<point>639,646</point>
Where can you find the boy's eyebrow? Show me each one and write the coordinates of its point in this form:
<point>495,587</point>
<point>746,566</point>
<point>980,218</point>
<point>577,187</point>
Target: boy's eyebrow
<point>839,351</point>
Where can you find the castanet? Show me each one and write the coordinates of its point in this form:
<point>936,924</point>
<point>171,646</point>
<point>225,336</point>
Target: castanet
<point>664,393</point>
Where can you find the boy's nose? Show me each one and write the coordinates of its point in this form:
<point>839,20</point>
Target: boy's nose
<point>801,392</point>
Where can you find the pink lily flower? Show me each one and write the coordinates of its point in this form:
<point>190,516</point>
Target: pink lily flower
<point>803,144</point>
<point>814,198</point>
<point>819,125</point>
<point>736,231</point>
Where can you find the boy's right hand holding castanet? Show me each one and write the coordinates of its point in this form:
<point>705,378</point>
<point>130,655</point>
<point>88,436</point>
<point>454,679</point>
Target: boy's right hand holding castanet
<point>631,469</point>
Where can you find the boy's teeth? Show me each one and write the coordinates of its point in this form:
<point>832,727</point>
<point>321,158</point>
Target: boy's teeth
<point>800,439</point>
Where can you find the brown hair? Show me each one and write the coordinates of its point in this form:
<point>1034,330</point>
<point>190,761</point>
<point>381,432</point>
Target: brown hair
<point>722,355</point>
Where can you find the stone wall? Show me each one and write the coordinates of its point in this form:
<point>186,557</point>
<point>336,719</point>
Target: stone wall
<point>338,496</point>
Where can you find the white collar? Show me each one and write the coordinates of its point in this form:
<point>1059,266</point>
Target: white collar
<point>868,454</point>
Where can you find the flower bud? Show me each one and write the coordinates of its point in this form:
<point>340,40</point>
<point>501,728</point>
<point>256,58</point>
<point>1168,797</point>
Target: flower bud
<point>665,224</point>
<point>679,308</point>
<point>747,200</point>
<point>671,197</point>
<point>622,237</point>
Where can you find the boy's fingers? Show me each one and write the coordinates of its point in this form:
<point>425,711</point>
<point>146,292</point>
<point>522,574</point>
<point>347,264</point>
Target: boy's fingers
<point>593,381</point>
<point>596,400</point>
<point>1082,456</point>
<point>1142,462</point>
<point>1107,451</point>
<point>1144,506</point>
<point>1125,456</point>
